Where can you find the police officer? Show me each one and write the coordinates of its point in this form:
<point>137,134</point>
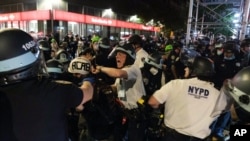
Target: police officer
<point>46,48</point>
<point>189,104</point>
<point>102,59</point>
<point>129,88</point>
<point>38,104</point>
<point>245,52</point>
<point>137,43</point>
<point>238,88</point>
<point>152,79</point>
<point>174,67</point>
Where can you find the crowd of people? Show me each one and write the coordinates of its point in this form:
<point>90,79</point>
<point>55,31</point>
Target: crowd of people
<point>96,89</point>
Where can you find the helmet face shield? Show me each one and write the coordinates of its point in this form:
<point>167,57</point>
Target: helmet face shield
<point>149,60</point>
<point>187,56</point>
<point>126,48</point>
<point>241,98</point>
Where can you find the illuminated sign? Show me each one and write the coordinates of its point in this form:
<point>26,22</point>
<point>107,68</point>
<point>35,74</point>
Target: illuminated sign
<point>10,17</point>
<point>25,16</point>
<point>99,21</point>
<point>72,17</point>
<point>35,15</point>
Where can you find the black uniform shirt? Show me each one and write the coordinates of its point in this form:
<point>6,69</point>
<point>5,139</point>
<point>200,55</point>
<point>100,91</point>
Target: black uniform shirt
<point>39,109</point>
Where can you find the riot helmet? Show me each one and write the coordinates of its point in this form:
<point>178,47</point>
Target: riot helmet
<point>202,67</point>
<point>63,56</point>
<point>187,56</point>
<point>126,48</point>
<point>54,68</point>
<point>104,43</point>
<point>45,47</point>
<point>19,59</point>
<point>239,88</point>
<point>135,39</point>
<point>154,60</point>
<point>86,51</point>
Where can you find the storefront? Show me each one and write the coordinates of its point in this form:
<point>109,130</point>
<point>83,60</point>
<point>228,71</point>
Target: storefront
<point>41,22</point>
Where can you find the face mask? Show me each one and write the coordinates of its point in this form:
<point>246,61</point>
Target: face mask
<point>219,52</point>
<point>229,58</point>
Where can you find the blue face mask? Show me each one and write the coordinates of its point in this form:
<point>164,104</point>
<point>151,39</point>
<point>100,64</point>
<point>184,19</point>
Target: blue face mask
<point>229,58</point>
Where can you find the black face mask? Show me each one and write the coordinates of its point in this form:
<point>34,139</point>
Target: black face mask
<point>243,115</point>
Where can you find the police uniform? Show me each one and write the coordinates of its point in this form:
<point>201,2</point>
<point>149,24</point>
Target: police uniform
<point>189,106</point>
<point>130,90</point>
<point>40,107</point>
<point>141,53</point>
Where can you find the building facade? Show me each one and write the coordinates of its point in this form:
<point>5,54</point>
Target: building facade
<point>41,17</point>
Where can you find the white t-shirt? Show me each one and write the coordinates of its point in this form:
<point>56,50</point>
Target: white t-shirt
<point>139,55</point>
<point>190,106</point>
<point>130,90</point>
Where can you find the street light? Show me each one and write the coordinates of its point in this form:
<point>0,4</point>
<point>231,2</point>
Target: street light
<point>108,13</point>
<point>134,19</point>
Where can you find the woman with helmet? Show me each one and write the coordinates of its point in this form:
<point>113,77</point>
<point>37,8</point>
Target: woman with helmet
<point>38,104</point>
<point>189,103</point>
<point>128,86</point>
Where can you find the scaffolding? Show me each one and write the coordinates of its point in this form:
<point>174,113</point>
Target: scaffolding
<point>217,15</point>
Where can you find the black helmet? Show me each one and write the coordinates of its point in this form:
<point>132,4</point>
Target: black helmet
<point>239,88</point>
<point>135,39</point>
<point>104,43</point>
<point>87,50</point>
<point>44,45</point>
<point>20,57</point>
<point>187,56</point>
<point>63,56</point>
<point>202,67</point>
<point>54,68</point>
<point>155,60</point>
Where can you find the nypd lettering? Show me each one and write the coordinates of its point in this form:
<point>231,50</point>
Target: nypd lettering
<point>29,45</point>
<point>198,92</point>
<point>81,66</point>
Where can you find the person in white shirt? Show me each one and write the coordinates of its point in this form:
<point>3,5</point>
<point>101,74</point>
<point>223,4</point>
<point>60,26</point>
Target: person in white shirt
<point>190,103</point>
<point>137,43</point>
<point>129,87</point>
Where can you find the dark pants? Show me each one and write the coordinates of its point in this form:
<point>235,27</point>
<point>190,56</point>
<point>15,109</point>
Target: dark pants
<point>136,131</point>
<point>172,135</point>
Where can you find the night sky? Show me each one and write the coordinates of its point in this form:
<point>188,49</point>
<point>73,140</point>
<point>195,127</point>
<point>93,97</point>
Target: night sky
<point>172,13</point>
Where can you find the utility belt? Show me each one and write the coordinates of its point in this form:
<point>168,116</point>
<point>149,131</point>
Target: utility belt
<point>134,114</point>
<point>179,135</point>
